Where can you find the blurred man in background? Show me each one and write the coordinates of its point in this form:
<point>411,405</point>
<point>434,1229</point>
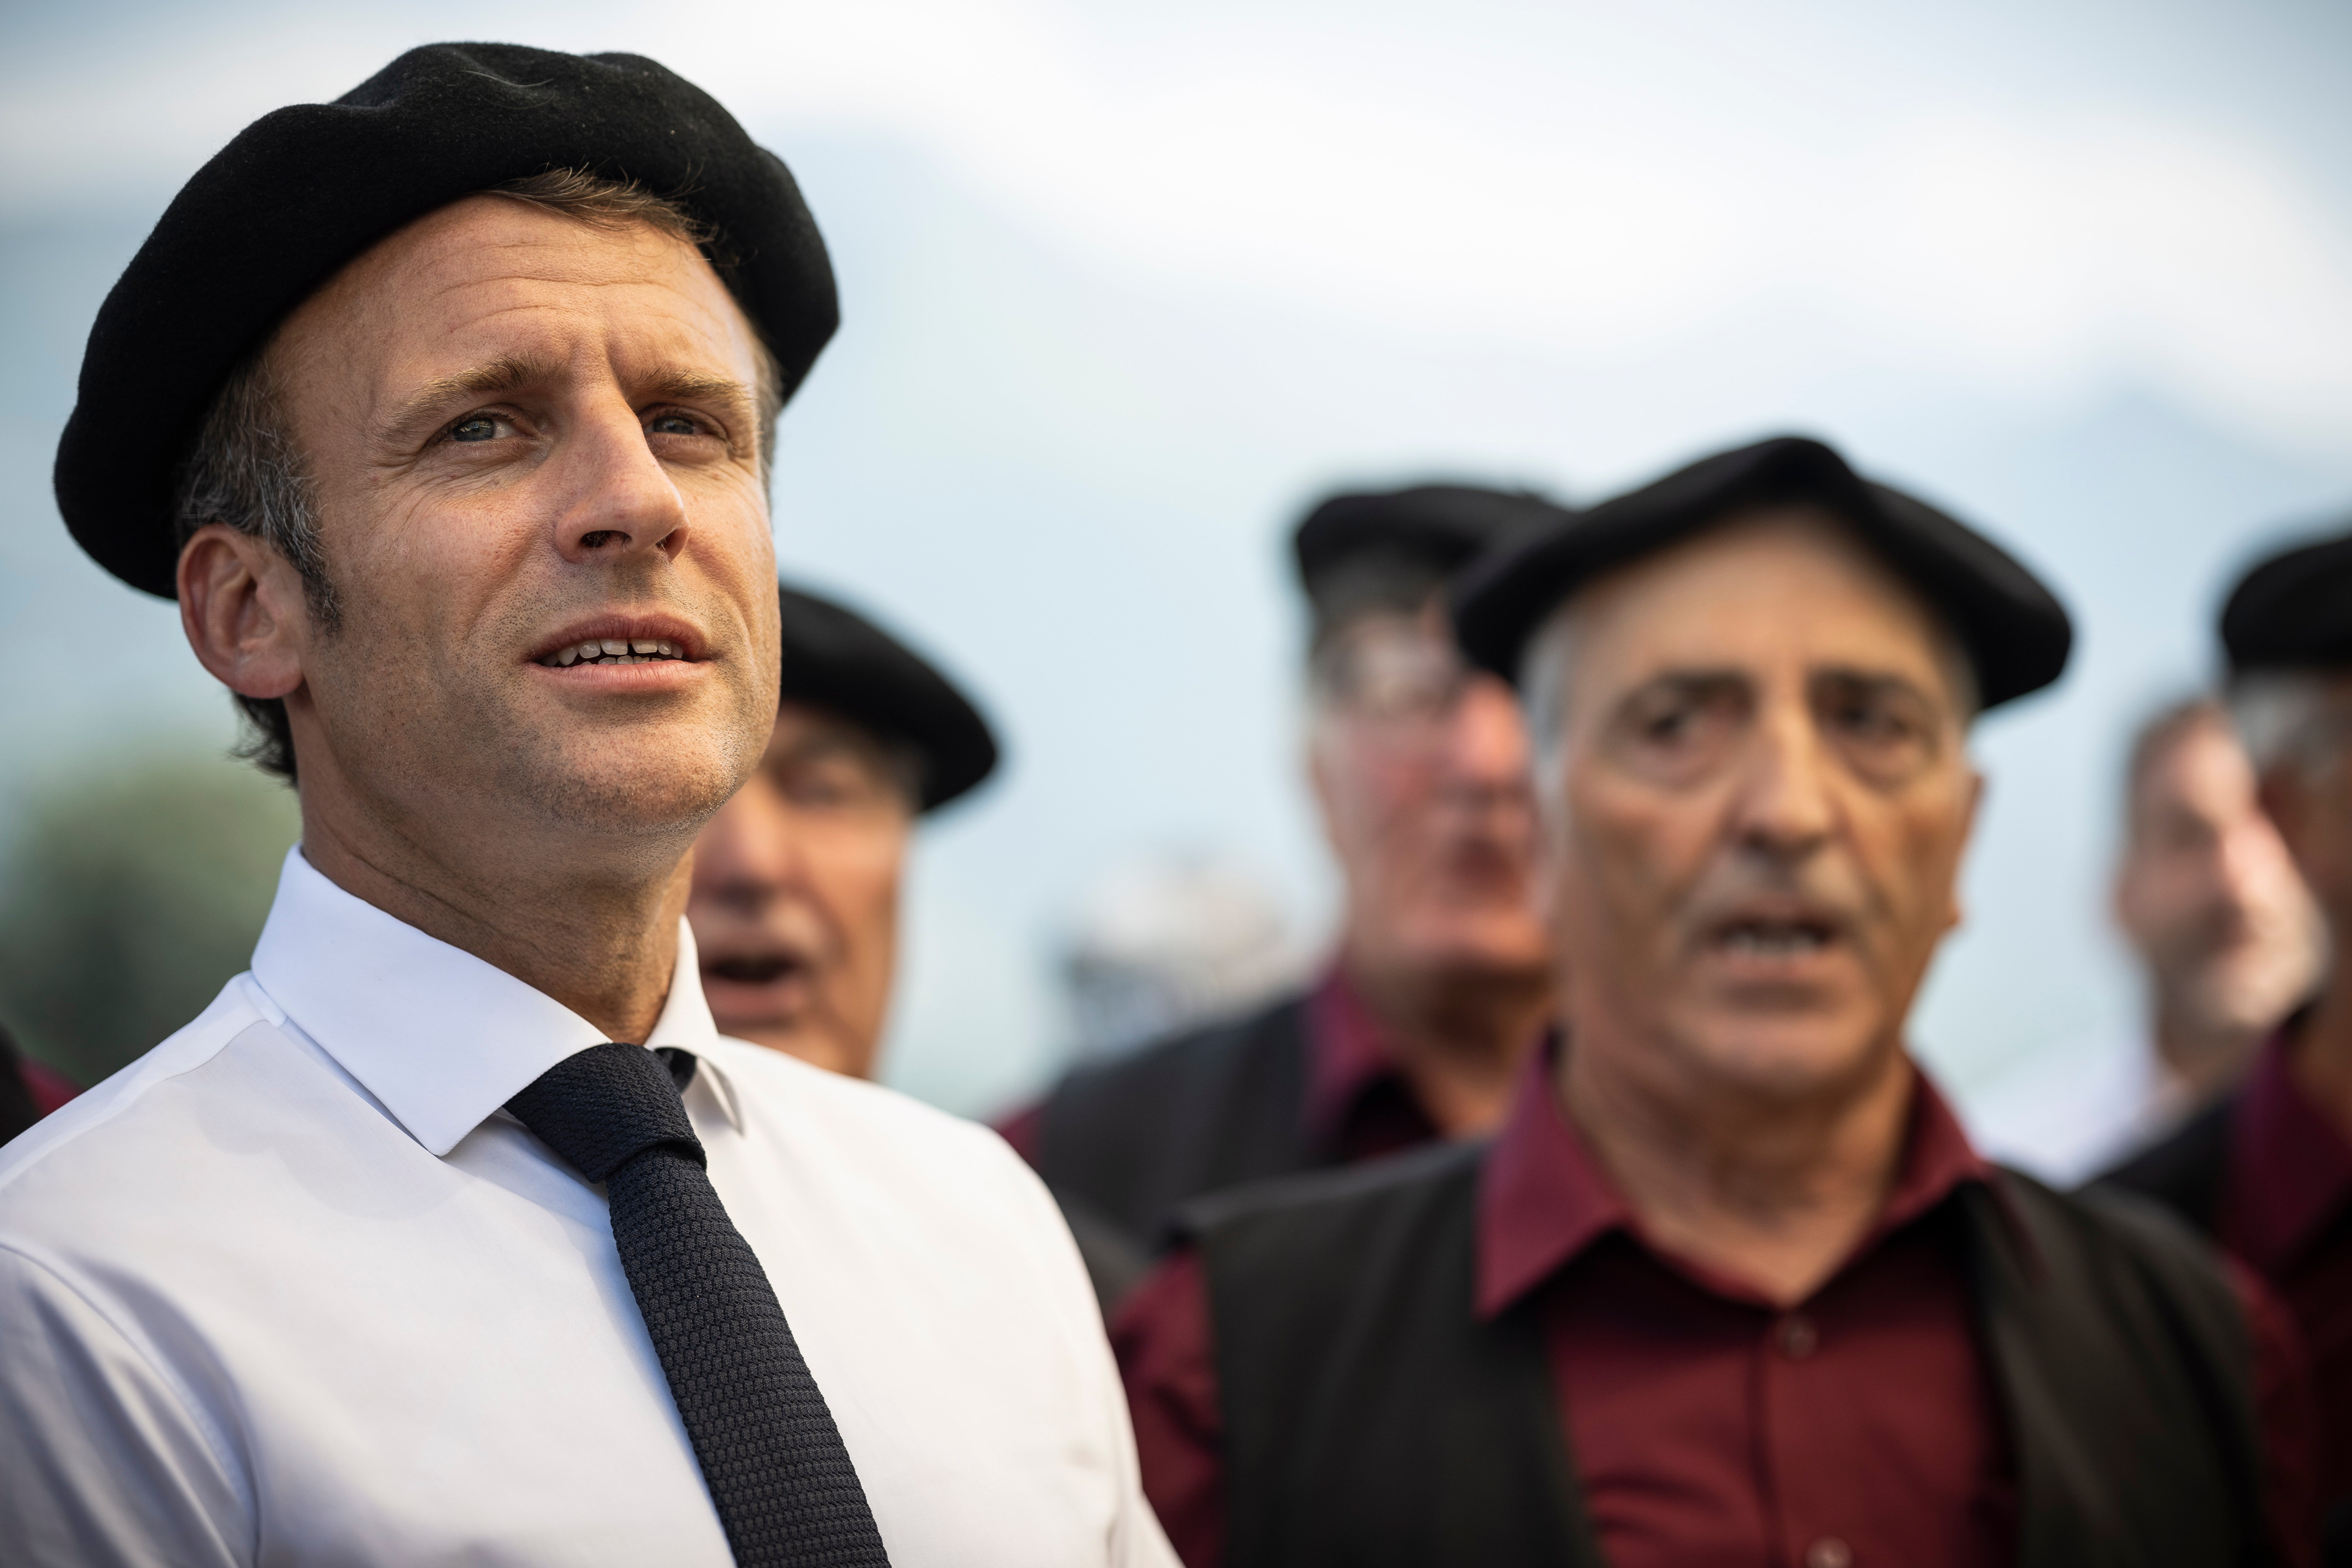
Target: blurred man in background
<point>796,881</point>
<point>2268,1172</point>
<point>1438,988</point>
<point>2228,940</point>
<point>1730,1286</point>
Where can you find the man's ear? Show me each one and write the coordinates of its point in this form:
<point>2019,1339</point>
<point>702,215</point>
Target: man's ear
<point>243,609</point>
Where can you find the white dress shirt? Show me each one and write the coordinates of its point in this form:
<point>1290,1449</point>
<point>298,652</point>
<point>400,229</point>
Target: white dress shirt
<point>293,1289</point>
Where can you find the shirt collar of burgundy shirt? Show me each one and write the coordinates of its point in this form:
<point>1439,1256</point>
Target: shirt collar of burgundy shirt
<point>1543,1198</point>
<point>2290,1170</point>
<point>1347,1063</point>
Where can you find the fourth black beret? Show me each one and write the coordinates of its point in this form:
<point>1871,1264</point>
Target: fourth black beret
<point>2293,611</point>
<point>304,189</point>
<point>2012,628</point>
<point>836,659</point>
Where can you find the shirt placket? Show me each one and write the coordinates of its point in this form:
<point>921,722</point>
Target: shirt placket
<point>1789,1352</point>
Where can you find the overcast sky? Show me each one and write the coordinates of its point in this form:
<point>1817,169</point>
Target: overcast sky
<point>1124,287</point>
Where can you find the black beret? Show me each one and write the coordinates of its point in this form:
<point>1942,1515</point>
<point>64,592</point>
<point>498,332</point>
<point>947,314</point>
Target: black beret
<point>304,189</point>
<point>2293,611</point>
<point>1439,527</point>
<point>836,659</point>
<point>2013,629</point>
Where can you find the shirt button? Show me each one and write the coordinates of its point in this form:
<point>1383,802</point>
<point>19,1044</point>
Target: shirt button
<point>1799,1339</point>
<point>1829,1552</point>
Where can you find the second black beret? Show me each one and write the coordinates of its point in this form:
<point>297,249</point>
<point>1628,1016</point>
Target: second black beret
<point>2012,628</point>
<point>304,189</point>
<point>836,659</point>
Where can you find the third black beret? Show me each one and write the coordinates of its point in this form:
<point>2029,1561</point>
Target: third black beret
<point>306,188</point>
<point>2013,629</point>
<point>2294,610</point>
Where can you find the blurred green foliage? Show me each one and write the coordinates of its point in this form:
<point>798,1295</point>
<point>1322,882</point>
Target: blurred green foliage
<point>131,890</point>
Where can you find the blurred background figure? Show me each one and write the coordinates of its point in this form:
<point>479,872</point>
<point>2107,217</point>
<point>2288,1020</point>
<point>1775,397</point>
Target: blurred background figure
<point>796,881</point>
<point>131,887</point>
<point>1170,943</point>
<point>2268,1170</point>
<point>1415,1029</point>
<point>2228,941</point>
<point>28,1090</point>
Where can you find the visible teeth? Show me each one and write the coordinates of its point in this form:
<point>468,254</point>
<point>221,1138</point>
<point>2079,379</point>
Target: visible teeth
<point>613,650</point>
<point>1775,942</point>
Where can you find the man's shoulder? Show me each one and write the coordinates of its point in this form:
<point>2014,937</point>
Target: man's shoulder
<point>118,1121</point>
<point>2184,1172</point>
<point>1343,1193</point>
<point>1212,1051</point>
<point>871,1130</point>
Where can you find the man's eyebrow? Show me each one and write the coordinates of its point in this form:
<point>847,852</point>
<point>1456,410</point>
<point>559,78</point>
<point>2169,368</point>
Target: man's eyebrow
<point>427,405</point>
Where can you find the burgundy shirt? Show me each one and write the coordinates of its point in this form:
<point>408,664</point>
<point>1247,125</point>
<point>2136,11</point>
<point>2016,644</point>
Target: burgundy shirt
<point>2287,1210</point>
<point>1359,1106</point>
<point>1709,1427</point>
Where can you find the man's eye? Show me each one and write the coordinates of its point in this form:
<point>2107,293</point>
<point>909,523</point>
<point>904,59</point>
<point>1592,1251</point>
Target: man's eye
<point>674,424</point>
<point>475,427</point>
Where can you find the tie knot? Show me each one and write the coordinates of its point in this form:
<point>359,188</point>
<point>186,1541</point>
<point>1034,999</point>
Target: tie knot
<point>603,1107</point>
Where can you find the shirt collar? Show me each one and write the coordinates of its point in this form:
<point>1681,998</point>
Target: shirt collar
<point>2290,1169</point>
<point>1544,1199</point>
<point>1345,1058</point>
<point>440,1038</point>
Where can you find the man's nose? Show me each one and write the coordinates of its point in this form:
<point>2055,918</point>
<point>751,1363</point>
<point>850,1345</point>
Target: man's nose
<point>1785,803</point>
<point>1485,742</point>
<point>618,499</point>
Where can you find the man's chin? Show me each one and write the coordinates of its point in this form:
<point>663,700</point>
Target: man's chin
<point>639,779</point>
<point>1791,1057</point>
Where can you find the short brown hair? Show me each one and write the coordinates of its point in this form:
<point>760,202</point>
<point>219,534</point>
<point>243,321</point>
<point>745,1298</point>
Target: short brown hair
<point>243,470</point>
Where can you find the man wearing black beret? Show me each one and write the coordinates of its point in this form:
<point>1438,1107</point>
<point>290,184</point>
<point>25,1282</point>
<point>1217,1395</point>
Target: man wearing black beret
<point>796,900</point>
<point>454,1230</point>
<point>2268,1172</point>
<point>1416,1028</point>
<point>1730,1286</point>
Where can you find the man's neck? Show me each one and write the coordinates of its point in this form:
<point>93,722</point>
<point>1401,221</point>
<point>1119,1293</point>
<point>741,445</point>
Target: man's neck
<point>1458,1037</point>
<point>605,946</point>
<point>1773,1193</point>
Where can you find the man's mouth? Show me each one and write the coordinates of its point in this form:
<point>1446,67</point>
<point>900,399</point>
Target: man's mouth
<point>1771,937</point>
<point>613,650</point>
<point>754,968</point>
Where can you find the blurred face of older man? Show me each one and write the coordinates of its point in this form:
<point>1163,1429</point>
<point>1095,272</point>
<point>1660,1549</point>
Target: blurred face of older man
<point>534,447</point>
<point>795,900</point>
<point>1421,768</point>
<point>1760,799</point>
<point>2229,935</point>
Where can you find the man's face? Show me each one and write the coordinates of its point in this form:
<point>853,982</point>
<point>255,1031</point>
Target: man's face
<point>2225,928</point>
<point>531,438</point>
<point>1763,800</point>
<point>796,900</point>
<point>1421,768</point>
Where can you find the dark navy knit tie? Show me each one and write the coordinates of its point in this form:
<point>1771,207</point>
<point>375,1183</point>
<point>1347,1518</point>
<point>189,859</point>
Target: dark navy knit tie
<point>771,1454</point>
